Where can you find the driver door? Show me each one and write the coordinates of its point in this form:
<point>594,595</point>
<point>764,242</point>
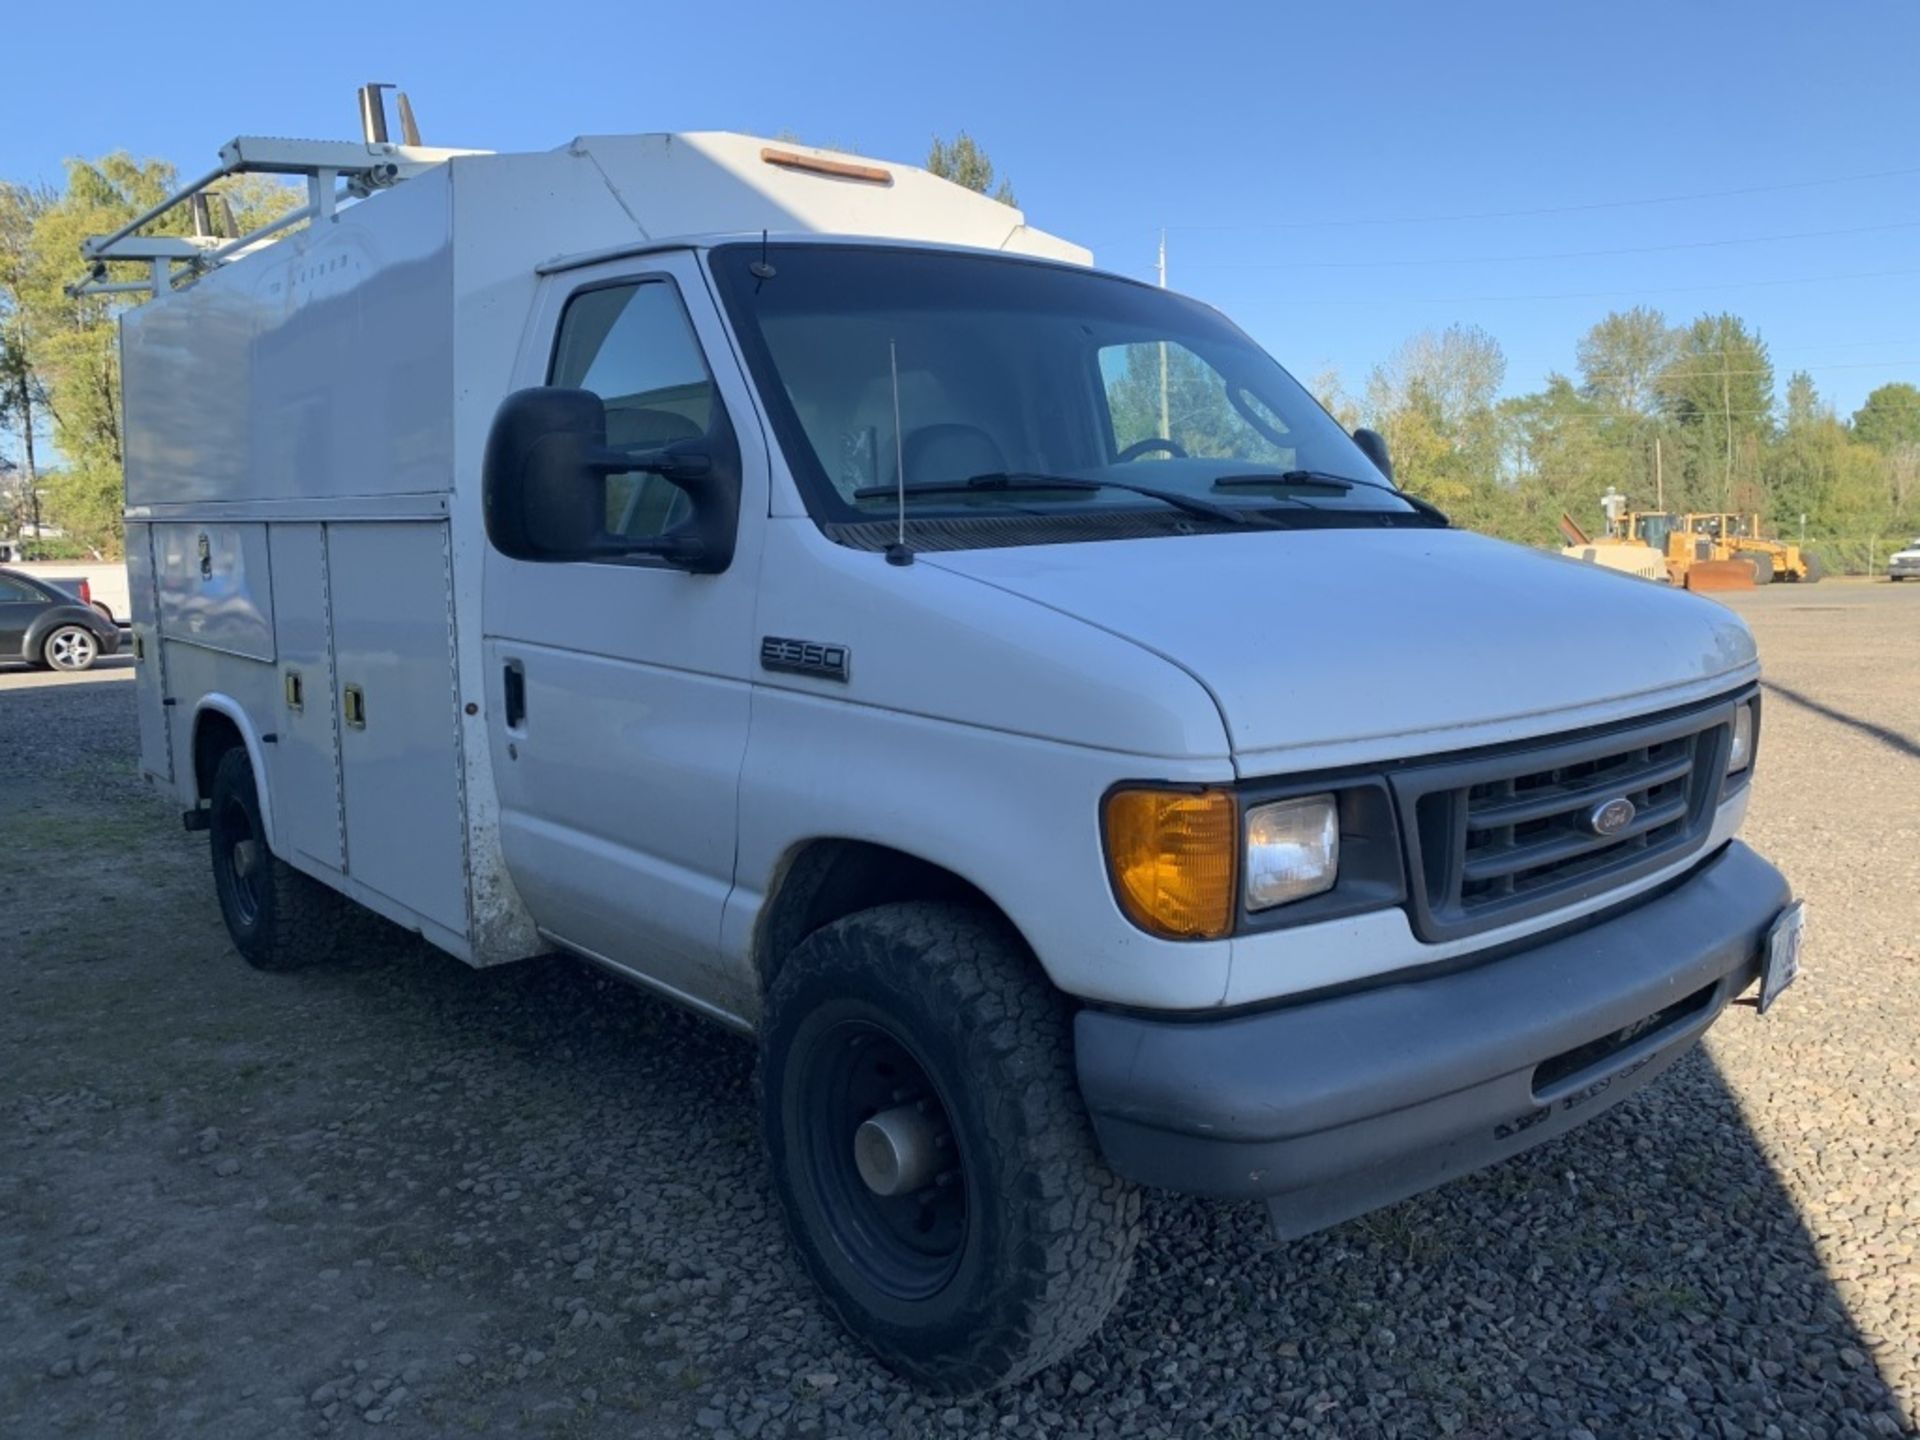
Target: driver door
<point>624,688</point>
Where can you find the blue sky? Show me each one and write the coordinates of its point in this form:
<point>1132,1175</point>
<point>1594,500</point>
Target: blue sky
<point>1336,177</point>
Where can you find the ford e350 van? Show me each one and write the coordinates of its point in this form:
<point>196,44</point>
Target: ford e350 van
<point>994,685</point>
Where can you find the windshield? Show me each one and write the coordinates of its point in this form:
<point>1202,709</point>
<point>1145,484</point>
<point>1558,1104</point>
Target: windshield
<point>1654,530</point>
<point>952,368</point>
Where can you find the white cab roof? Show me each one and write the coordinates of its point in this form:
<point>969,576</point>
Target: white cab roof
<point>709,183</point>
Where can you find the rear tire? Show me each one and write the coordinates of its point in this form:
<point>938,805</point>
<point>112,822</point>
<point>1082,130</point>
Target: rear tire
<point>1762,568</point>
<point>279,919</point>
<point>1816,567</point>
<point>1017,1240</point>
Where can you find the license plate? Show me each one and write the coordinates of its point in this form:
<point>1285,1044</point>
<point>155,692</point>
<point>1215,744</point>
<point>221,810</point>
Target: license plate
<point>1783,953</point>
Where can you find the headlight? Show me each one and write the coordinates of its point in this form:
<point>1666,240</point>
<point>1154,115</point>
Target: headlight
<point>1740,756</point>
<point>1293,850</point>
<point>1171,854</point>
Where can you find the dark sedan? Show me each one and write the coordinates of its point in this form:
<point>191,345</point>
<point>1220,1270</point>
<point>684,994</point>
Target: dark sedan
<point>44,625</point>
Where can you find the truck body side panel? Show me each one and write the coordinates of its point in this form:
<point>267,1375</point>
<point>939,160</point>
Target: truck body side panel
<point>306,759</point>
<point>394,691</point>
<point>321,368</point>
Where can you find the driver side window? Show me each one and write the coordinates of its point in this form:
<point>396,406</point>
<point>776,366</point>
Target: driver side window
<point>634,347</point>
<point>1147,378</point>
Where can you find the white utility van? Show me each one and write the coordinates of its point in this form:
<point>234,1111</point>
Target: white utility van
<point>799,585</point>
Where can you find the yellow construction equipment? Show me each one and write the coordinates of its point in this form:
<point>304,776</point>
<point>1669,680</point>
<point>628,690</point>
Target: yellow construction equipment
<point>1655,545</point>
<point>1613,552</point>
<point>1739,537</point>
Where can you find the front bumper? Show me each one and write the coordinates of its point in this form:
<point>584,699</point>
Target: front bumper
<point>1333,1107</point>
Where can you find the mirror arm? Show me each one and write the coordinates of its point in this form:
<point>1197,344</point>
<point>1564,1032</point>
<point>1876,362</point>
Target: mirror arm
<point>673,466</point>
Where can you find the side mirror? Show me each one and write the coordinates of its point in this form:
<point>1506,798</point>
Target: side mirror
<point>543,484</point>
<point>1374,446</point>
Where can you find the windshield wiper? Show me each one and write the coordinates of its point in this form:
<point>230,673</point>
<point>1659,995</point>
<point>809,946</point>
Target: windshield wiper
<point>1025,481</point>
<point>1289,479</point>
<point>1324,480</point>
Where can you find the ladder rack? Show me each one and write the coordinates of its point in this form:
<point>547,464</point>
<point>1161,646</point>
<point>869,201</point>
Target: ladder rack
<point>335,171</point>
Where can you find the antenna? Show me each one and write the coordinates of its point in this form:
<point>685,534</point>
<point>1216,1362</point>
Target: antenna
<point>409,132</point>
<point>1166,423</point>
<point>897,552</point>
<point>762,269</point>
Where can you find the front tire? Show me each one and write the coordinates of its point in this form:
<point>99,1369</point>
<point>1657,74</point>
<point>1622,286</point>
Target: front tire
<point>279,918</point>
<point>930,1150</point>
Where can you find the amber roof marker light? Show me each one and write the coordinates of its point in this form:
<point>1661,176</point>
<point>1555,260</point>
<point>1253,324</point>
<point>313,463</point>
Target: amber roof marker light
<point>819,165</point>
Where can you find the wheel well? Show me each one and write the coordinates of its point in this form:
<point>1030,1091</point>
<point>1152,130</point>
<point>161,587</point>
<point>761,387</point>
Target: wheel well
<point>827,880</point>
<point>213,735</point>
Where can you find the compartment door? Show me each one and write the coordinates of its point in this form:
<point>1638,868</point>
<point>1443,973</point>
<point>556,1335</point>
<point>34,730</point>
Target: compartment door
<point>306,761</point>
<point>393,695</point>
<point>150,665</point>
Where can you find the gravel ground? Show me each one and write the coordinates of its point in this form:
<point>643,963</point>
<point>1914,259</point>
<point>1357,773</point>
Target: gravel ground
<point>399,1193</point>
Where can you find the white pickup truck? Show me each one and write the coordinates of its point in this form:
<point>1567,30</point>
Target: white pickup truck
<point>795,583</point>
<point>1904,564</point>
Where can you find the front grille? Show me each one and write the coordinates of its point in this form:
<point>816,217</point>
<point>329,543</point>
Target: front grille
<point>1502,837</point>
<point>1532,830</point>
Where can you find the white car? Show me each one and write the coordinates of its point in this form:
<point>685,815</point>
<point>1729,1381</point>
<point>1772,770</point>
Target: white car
<point>1905,564</point>
<point>798,585</point>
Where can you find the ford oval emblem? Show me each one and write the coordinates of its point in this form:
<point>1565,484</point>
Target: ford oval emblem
<point>1610,817</point>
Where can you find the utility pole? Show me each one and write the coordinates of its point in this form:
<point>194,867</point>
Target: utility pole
<point>1659,479</point>
<point>1166,423</point>
<point>1726,406</point>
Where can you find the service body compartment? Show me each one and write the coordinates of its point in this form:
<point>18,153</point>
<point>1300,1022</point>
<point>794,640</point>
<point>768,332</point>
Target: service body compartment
<point>398,717</point>
<point>306,763</point>
<point>215,586</point>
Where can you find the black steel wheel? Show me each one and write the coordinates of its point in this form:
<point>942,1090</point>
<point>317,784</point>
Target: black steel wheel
<point>882,1157</point>
<point>279,919</point>
<point>936,1167</point>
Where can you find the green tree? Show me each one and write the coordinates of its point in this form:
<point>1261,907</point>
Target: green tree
<point>74,350</point>
<point>962,161</point>
<point>1890,418</point>
<point>1621,357</point>
<point>1332,394</point>
<point>1717,394</point>
<point>23,395</point>
<point>1564,450</point>
<point>1433,401</point>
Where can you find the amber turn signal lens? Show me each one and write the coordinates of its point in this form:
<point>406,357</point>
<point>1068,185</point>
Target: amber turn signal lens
<point>1173,856</point>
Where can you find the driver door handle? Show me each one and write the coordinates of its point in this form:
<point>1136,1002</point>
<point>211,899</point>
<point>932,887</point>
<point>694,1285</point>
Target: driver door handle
<point>514,689</point>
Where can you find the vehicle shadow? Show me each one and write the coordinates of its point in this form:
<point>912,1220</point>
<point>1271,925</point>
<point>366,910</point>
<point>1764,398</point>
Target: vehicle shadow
<point>1648,1274</point>
<point>1894,739</point>
<point>120,661</point>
